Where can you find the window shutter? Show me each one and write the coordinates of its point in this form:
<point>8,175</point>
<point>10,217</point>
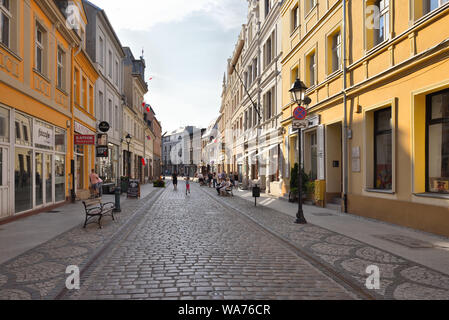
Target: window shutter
<point>320,153</point>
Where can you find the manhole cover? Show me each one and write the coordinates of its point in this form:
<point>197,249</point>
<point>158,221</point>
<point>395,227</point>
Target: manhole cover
<point>406,241</point>
<point>322,214</point>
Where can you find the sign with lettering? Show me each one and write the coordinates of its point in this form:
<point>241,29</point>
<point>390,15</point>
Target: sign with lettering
<point>79,128</point>
<point>104,126</point>
<point>133,189</point>
<point>43,135</point>
<point>102,152</point>
<point>84,139</point>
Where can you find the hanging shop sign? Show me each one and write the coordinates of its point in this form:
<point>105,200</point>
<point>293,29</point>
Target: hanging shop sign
<point>43,135</point>
<point>102,139</point>
<point>102,152</point>
<point>84,139</point>
<point>104,126</point>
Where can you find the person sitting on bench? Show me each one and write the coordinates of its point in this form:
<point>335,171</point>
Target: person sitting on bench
<point>225,185</point>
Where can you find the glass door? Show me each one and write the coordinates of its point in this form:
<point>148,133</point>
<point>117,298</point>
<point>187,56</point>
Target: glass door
<point>39,176</point>
<point>48,178</point>
<point>23,180</point>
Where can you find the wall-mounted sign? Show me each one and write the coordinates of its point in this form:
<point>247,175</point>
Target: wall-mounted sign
<point>43,136</point>
<point>84,139</point>
<point>314,121</point>
<point>79,128</point>
<point>104,126</point>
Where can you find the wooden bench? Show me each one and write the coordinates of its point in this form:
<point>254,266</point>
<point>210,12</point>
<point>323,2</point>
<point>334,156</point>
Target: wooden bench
<point>95,208</point>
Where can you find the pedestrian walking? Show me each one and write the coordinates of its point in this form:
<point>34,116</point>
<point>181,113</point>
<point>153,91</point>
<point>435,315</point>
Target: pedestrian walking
<point>95,182</point>
<point>175,181</point>
<point>210,178</point>
<point>236,179</point>
<point>188,185</point>
<point>214,179</point>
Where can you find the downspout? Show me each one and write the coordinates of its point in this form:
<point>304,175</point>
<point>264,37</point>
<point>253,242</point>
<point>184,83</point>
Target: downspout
<point>345,124</point>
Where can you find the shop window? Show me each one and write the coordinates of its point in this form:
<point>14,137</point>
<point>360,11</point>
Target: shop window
<point>23,180</point>
<point>423,7</point>
<point>437,141</point>
<point>60,140</point>
<point>383,160</point>
<point>43,135</point>
<point>59,178</point>
<point>377,22</point>
<point>5,22</point>
<point>23,130</point>
<point>379,147</point>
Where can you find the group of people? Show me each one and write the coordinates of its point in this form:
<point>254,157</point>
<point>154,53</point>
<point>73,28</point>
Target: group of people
<point>219,182</point>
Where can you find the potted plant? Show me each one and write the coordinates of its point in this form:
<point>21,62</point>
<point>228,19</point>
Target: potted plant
<point>293,195</point>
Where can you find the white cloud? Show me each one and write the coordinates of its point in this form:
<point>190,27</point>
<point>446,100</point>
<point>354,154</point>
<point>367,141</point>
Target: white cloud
<point>144,14</point>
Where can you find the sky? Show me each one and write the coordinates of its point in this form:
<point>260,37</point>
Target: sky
<point>186,46</point>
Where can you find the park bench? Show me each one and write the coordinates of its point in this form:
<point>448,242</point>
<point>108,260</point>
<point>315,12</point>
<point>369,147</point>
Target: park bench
<point>227,192</point>
<point>95,208</point>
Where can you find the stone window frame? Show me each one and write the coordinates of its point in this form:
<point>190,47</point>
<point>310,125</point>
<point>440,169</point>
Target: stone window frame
<point>44,46</point>
<point>329,50</point>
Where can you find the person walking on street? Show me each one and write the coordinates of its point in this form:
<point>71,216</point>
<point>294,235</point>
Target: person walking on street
<point>96,183</point>
<point>210,178</point>
<point>188,185</point>
<point>175,181</point>
<point>214,179</point>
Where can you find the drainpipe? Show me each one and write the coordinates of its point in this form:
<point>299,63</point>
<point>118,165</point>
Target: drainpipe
<point>345,125</point>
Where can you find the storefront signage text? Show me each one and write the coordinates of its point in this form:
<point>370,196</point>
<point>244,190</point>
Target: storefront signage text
<point>43,136</point>
<point>83,139</point>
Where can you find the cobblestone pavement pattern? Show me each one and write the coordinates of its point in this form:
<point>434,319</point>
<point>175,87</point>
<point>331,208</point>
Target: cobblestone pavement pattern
<point>399,278</point>
<point>191,247</point>
<point>40,272</point>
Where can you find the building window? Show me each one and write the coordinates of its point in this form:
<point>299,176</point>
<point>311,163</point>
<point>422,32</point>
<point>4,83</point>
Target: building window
<point>383,150</point>
<point>311,69</point>
<point>84,92</point>
<point>377,25</point>
<point>101,51</point>
<point>116,73</point>
<point>269,50</point>
<point>5,19</point>
<point>267,7</point>
<point>91,99</point>
<point>60,73</point>
<point>76,86</point>
<point>294,75</point>
<point>294,18</point>
<point>110,111</point>
<point>110,64</point>
<point>437,140</point>
<point>423,7</point>
<point>334,42</point>
<point>39,49</point>
<point>310,4</point>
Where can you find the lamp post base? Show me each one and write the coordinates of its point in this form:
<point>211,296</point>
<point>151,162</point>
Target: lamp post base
<point>300,218</point>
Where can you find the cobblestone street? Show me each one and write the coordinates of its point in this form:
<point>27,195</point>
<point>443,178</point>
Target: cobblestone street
<point>202,246</point>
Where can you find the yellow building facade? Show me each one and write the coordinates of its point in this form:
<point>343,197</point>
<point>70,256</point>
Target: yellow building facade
<point>38,57</point>
<point>396,102</point>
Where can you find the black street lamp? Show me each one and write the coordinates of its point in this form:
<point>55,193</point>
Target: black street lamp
<point>298,92</point>
<point>128,141</point>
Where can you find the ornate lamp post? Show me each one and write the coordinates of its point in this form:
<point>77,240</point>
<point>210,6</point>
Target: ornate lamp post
<point>298,92</point>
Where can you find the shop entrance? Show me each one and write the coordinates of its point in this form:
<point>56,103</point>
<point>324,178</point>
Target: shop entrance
<point>334,181</point>
<point>4,183</point>
<point>43,179</point>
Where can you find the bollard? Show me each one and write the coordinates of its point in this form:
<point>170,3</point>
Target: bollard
<point>117,200</point>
